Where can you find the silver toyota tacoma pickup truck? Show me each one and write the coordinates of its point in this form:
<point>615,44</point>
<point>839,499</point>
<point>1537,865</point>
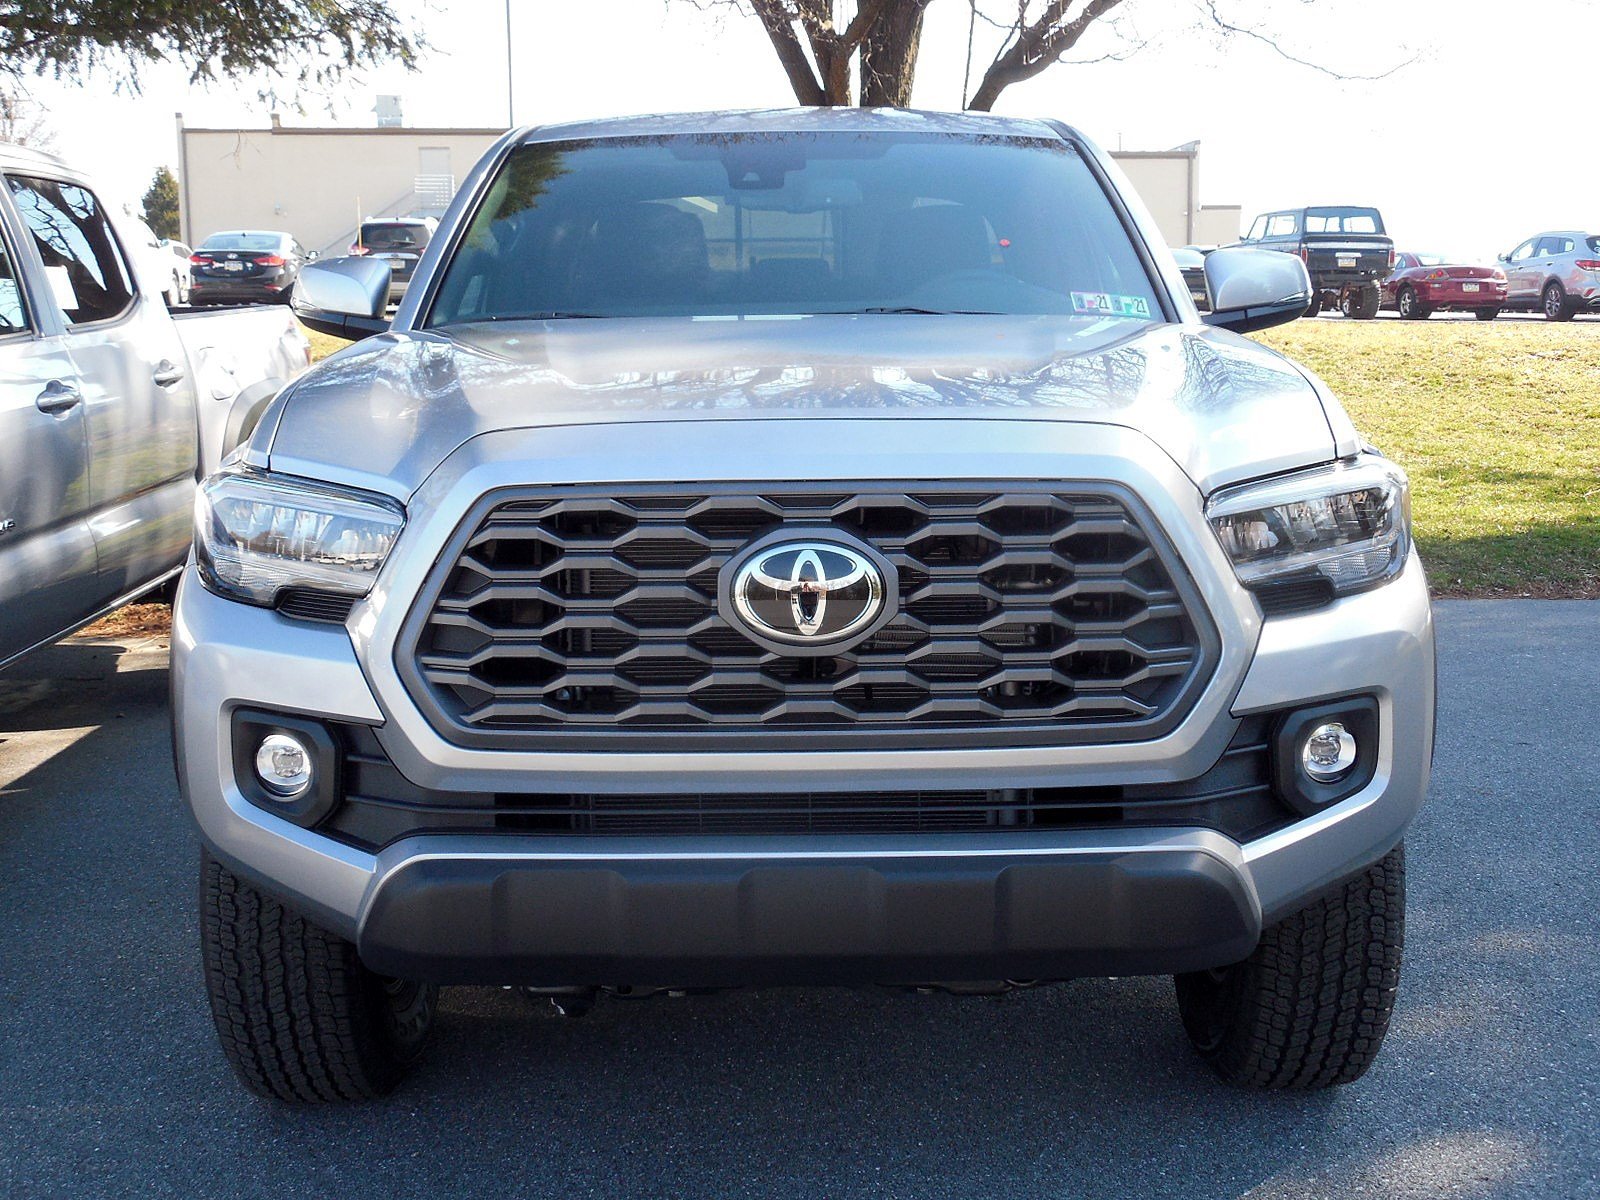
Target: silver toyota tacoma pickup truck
<point>813,547</point>
<point>111,408</point>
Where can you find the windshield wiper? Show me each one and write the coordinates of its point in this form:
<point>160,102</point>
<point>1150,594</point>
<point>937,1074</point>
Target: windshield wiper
<point>554,314</point>
<point>902,309</point>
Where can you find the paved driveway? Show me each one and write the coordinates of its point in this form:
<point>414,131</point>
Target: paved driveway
<point>111,1083</point>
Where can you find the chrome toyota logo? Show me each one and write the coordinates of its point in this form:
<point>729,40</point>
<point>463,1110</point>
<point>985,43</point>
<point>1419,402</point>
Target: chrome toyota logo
<point>810,593</point>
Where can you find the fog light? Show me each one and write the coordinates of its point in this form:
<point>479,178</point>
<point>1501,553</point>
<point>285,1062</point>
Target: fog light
<point>283,764</point>
<point>1328,752</point>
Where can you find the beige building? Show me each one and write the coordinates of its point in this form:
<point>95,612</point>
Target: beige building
<point>1169,183</point>
<point>319,183</point>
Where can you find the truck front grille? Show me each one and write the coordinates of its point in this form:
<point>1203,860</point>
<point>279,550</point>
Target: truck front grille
<point>1026,611</point>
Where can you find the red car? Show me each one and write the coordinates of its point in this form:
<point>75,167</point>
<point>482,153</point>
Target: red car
<point>1423,284</point>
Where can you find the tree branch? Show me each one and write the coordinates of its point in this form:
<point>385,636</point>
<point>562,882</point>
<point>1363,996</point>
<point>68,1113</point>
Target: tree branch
<point>1257,35</point>
<point>779,24</point>
<point>1038,45</point>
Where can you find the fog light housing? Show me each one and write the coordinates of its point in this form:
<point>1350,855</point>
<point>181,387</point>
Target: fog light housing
<point>286,765</point>
<point>1328,752</point>
<point>1325,753</point>
<point>283,765</point>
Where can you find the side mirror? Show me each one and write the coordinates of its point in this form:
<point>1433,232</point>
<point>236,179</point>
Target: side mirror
<point>1255,289</point>
<point>1503,257</point>
<point>313,255</point>
<point>346,297</point>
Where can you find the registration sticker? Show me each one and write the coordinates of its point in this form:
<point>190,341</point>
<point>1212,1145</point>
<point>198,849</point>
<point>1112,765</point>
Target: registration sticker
<point>1104,304</point>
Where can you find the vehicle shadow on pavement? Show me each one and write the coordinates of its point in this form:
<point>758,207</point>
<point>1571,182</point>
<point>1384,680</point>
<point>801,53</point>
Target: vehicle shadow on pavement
<point>114,1083</point>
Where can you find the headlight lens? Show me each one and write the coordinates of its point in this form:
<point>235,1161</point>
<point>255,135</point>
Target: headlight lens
<point>258,534</point>
<point>1349,523</point>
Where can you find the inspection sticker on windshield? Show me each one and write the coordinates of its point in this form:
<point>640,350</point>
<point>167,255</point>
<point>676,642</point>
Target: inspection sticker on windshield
<point>1106,305</point>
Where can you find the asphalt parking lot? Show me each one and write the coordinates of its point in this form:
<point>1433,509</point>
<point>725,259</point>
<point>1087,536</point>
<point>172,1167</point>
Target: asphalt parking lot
<point>113,1085</point>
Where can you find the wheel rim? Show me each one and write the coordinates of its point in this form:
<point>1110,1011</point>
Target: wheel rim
<point>1407,303</point>
<point>405,1010</point>
<point>1552,302</point>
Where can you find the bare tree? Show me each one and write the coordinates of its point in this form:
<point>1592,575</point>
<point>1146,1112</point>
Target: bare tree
<point>819,41</point>
<point>22,120</point>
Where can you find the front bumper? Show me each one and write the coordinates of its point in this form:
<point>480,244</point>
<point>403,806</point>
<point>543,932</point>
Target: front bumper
<point>966,909</point>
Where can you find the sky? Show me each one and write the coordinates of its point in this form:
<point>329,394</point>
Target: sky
<point>1469,146</point>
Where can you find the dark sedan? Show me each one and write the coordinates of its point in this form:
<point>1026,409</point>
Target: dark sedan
<point>1423,284</point>
<point>246,267</point>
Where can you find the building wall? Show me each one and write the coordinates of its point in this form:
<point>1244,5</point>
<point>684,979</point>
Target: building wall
<point>313,183</point>
<point>1220,224</point>
<point>1163,181</point>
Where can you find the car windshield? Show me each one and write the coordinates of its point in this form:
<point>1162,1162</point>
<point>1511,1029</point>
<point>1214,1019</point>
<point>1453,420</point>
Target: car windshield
<point>241,241</point>
<point>1343,220</point>
<point>384,236</point>
<point>793,224</point>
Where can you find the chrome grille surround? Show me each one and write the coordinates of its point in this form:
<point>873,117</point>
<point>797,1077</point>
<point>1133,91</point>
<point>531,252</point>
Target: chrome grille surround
<point>585,617</point>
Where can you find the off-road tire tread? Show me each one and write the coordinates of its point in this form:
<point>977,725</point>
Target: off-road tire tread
<point>291,1001</point>
<point>1310,1008</point>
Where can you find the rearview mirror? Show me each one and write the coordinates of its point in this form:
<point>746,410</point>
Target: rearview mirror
<point>346,297</point>
<point>1255,289</point>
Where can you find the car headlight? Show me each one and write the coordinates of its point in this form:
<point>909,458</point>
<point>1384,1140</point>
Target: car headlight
<point>1349,524</point>
<point>257,534</point>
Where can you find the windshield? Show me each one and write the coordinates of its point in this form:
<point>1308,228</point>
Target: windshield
<point>794,223</point>
<point>241,241</point>
<point>394,237</point>
<point>1343,220</point>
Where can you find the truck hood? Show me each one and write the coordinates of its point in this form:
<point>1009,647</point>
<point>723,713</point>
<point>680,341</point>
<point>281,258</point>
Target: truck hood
<point>383,414</point>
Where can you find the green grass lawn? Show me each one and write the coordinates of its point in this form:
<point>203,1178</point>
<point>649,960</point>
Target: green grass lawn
<point>1498,425</point>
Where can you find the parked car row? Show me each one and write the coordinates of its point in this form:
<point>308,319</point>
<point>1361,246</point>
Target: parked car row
<point>1353,264</point>
<point>255,266</point>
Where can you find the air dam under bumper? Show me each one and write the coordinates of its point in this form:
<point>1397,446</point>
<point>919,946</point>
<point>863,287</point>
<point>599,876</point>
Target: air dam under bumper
<point>965,912</point>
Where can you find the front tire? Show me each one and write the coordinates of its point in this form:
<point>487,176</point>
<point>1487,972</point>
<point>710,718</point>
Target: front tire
<point>1309,1009</point>
<point>299,1017</point>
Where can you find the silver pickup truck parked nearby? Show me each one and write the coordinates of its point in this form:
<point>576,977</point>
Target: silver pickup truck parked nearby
<point>110,406</point>
<point>802,547</point>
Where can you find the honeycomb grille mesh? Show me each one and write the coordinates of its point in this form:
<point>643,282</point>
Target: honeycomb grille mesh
<point>591,609</point>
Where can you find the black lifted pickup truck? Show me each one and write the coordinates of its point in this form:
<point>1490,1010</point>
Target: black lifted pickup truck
<point>1345,251</point>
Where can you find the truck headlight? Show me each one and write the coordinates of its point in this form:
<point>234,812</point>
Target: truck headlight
<point>257,534</point>
<point>1349,524</point>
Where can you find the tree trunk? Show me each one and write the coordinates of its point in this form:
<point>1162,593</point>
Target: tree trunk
<point>889,55</point>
